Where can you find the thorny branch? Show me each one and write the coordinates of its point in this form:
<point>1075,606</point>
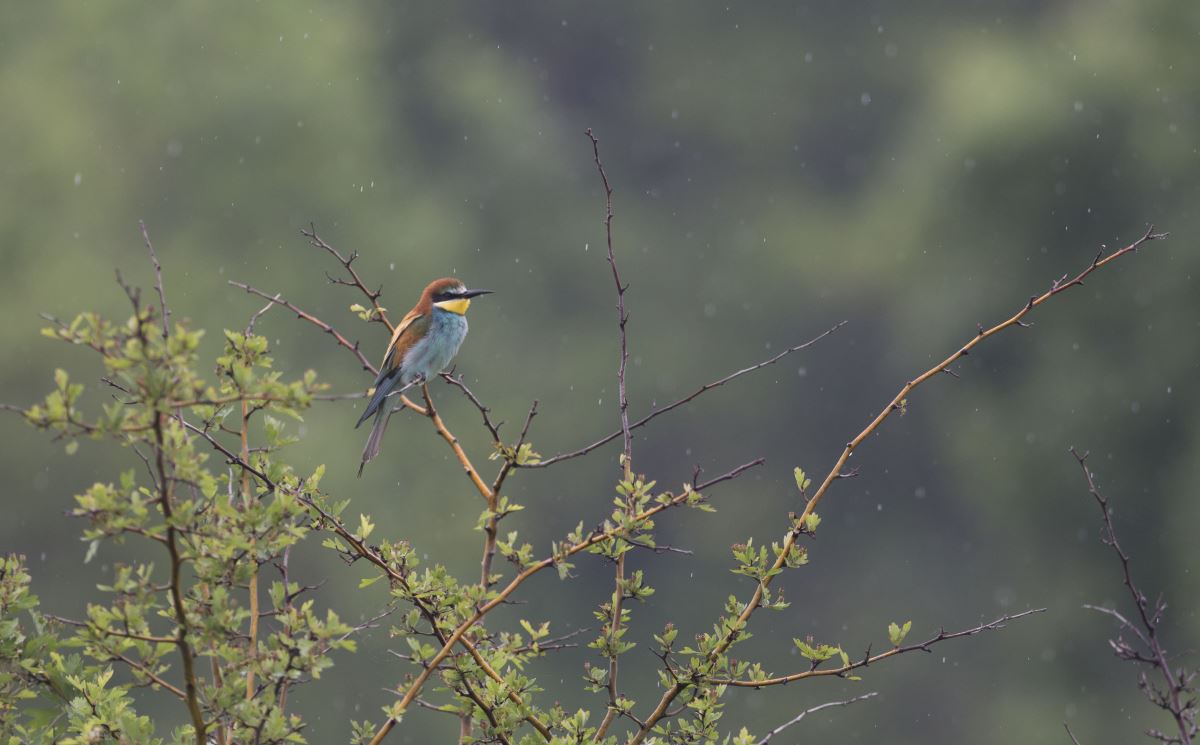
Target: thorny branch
<point>380,313</point>
<point>1176,695</point>
<point>895,404</point>
<point>622,315</point>
<point>869,659</point>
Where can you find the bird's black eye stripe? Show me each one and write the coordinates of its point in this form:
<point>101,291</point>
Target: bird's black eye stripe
<point>447,295</point>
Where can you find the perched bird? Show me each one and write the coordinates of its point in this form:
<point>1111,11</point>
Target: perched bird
<point>424,342</point>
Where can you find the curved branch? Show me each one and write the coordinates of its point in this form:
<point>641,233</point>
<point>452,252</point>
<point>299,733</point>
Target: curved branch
<point>924,646</point>
<point>1017,319</point>
<point>355,280</point>
<point>676,404</point>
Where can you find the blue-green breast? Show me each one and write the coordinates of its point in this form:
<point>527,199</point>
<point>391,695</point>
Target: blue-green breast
<point>434,353</point>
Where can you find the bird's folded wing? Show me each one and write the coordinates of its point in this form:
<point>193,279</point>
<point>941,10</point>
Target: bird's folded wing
<point>403,338</point>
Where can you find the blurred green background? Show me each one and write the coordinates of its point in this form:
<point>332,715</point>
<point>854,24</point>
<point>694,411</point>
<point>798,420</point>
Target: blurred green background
<point>778,167</point>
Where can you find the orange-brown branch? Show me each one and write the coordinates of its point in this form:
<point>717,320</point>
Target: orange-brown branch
<point>484,490</point>
<point>1057,287</point>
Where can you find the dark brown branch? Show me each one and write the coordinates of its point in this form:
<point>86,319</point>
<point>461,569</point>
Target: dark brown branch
<point>658,548</point>
<point>622,316</point>
<point>626,462</point>
<point>510,463</point>
<point>277,299</point>
<point>484,411</point>
<point>176,590</point>
<point>557,642</point>
<point>1176,699</point>
<point>842,670</point>
<point>354,281</point>
<point>490,525</point>
<point>111,632</point>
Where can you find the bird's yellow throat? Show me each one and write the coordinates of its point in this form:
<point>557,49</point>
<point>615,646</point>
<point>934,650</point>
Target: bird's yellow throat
<point>458,306</point>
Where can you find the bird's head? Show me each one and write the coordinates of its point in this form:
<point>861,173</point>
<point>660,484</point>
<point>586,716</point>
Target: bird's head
<point>451,295</point>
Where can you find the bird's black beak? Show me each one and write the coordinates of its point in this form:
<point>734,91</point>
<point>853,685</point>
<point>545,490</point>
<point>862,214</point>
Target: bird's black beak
<point>474,293</point>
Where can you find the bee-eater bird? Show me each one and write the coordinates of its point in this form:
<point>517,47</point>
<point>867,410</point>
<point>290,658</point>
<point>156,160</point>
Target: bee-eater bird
<point>423,344</point>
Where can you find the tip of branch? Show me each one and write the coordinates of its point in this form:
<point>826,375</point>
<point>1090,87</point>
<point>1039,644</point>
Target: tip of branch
<point>1150,235</point>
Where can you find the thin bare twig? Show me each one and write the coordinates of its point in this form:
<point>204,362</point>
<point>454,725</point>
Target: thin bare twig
<point>484,411</point>
<point>144,669</point>
<point>796,720</point>
<point>622,315</point>
<point>158,280</point>
<point>271,303</point>
<point>1070,734</point>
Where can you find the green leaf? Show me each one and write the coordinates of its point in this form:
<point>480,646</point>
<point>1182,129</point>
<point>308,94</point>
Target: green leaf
<point>897,633</point>
<point>802,480</point>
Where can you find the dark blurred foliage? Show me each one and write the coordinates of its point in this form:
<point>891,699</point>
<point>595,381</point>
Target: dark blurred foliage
<point>778,167</point>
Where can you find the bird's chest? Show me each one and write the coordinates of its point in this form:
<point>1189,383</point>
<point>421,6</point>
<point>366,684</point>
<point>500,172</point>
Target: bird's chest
<point>433,353</point>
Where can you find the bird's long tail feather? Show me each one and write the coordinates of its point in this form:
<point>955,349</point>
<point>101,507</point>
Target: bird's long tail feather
<point>382,409</point>
<point>375,440</point>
